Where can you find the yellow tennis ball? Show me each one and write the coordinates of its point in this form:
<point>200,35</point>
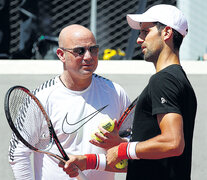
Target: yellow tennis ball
<point>93,136</point>
<point>108,124</point>
<point>122,164</point>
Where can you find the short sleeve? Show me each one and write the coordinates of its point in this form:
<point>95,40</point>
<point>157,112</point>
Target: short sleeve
<point>165,92</point>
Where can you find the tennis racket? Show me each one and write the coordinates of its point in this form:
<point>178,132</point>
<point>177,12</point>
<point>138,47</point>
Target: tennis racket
<point>124,125</point>
<point>126,119</point>
<point>26,116</point>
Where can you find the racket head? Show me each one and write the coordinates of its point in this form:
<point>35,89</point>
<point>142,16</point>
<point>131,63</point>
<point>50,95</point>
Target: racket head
<point>18,103</point>
<point>24,112</point>
<point>124,124</point>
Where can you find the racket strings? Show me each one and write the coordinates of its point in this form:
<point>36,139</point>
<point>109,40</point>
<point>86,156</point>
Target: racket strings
<point>29,120</point>
<point>125,123</point>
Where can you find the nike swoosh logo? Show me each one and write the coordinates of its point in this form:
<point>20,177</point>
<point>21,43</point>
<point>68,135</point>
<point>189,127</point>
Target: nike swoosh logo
<point>73,127</point>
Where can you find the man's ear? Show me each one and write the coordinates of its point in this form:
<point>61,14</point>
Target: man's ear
<point>60,53</point>
<point>168,32</point>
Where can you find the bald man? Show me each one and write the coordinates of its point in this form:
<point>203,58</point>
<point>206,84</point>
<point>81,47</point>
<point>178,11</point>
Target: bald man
<point>78,64</point>
<point>77,96</point>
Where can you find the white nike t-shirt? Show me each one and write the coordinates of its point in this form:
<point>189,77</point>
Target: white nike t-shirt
<point>75,116</point>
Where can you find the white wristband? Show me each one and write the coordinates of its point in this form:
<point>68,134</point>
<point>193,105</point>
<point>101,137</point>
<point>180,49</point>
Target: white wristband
<point>101,162</point>
<point>131,150</point>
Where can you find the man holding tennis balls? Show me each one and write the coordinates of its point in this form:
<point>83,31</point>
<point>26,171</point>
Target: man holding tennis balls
<point>107,124</point>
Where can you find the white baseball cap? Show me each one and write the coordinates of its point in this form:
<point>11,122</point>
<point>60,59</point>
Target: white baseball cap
<point>166,14</point>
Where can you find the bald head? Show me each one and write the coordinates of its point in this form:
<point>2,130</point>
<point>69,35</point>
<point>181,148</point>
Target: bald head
<point>72,34</point>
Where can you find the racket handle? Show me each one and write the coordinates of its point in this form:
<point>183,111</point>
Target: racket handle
<point>81,176</point>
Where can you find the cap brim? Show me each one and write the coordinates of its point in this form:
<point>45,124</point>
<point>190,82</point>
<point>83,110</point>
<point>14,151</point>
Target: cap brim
<point>134,20</point>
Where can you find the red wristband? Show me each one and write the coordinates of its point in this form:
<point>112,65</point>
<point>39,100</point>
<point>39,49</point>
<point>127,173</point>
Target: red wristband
<point>122,151</point>
<point>90,161</point>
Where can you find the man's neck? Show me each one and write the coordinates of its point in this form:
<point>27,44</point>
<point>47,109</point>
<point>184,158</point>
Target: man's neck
<point>75,84</point>
<point>166,59</point>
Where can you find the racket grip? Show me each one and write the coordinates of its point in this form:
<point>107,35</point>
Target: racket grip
<point>81,176</point>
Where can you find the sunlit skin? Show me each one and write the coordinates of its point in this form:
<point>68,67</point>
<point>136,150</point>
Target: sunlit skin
<point>78,70</point>
<point>157,47</point>
<point>108,139</point>
<point>168,144</point>
<point>150,41</point>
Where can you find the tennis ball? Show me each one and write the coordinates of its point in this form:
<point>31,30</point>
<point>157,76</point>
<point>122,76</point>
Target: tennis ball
<point>107,124</point>
<point>93,136</point>
<point>122,164</point>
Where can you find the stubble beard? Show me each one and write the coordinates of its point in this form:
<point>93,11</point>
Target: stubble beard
<point>151,56</point>
<point>148,56</point>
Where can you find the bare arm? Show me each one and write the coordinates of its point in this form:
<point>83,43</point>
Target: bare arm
<point>169,143</point>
